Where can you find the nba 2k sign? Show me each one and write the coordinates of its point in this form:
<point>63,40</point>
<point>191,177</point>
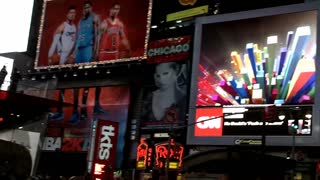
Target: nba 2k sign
<point>168,50</point>
<point>105,150</point>
<point>209,122</point>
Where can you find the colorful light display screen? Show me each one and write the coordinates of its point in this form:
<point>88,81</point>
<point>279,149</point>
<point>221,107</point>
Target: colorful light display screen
<point>265,60</point>
<point>254,76</point>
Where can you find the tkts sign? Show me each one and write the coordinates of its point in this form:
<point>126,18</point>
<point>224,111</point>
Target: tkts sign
<point>105,150</point>
<point>167,50</point>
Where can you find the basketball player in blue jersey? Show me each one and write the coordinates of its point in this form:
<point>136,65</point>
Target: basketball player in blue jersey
<point>87,36</point>
<point>64,38</point>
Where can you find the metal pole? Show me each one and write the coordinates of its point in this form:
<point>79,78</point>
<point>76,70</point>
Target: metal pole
<point>169,153</point>
<point>293,150</point>
<point>133,173</point>
<point>293,145</point>
<point>263,141</point>
<point>168,158</point>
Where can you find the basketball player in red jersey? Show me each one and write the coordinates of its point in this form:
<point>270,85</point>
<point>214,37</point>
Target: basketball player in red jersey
<point>112,36</point>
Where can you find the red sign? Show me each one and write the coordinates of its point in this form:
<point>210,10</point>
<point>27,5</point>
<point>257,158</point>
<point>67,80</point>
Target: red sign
<point>105,150</point>
<point>175,155</point>
<point>142,153</point>
<point>187,2</point>
<point>168,50</point>
<point>75,144</point>
<point>205,127</point>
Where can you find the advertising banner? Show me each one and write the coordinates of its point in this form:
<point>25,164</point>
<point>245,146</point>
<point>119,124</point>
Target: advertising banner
<point>69,128</point>
<point>224,121</point>
<point>260,68</point>
<point>172,10</point>
<point>273,66</point>
<point>92,32</point>
<point>167,50</point>
<point>105,150</point>
<point>164,96</point>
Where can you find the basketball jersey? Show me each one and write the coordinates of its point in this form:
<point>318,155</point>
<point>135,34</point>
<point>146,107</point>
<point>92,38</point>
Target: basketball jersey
<point>68,37</point>
<point>85,32</point>
<point>110,39</point>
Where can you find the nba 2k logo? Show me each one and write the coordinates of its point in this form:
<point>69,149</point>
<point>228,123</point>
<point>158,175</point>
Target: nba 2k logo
<point>209,122</point>
<point>187,2</point>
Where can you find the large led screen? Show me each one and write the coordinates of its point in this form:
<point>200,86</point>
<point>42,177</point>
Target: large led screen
<point>266,60</point>
<point>262,61</point>
<point>92,32</point>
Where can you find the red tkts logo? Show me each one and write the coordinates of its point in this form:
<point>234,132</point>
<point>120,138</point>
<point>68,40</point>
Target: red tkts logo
<point>206,127</point>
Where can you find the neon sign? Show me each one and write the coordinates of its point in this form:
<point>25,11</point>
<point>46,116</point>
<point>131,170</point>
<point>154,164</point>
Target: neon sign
<point>144,154</point>
<point>175,155</point>
<point>99,169</point>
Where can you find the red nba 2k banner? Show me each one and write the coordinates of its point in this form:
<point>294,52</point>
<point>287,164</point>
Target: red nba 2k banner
<point>168,50</point>
<point>206,127</point>
<point>105,150</point>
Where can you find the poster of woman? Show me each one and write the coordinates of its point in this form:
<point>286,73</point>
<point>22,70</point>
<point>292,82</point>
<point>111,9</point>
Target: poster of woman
<point>164,102</point>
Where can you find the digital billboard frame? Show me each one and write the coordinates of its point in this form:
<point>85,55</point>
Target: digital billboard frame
<point>92,39</point>
<point>312,140</point>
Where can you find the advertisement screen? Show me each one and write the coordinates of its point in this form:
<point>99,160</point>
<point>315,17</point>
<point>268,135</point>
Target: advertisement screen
<point>266,60</point>
<point>258,70</point>
<point>248,120</point>
<point>92,32</point>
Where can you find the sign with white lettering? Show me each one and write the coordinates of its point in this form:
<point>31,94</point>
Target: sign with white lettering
<point>168,50</point>
<point>209,122</point>
<point>51,143</point>
<point>250,120</point>
<point>105,150</point>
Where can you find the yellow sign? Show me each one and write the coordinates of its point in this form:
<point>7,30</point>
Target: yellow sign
<point>188,13</point>
<point>173,165</point>
<point>140,164</point>
<point>187,2</point>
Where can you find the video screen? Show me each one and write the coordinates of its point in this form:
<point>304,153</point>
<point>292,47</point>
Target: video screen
<point>250,120</point>
<point>265,60</point>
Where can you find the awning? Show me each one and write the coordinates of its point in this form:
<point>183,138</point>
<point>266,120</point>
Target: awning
<point>227,161</point>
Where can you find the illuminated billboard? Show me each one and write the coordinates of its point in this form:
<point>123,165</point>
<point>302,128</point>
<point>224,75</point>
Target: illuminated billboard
<point>92,32</point>
<point>252,61</point>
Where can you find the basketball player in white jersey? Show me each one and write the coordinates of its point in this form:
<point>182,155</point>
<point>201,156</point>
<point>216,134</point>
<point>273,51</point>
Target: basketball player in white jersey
<point>64,38</point>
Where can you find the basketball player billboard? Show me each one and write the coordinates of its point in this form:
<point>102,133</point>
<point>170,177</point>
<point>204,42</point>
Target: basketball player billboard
<point>88,32</point>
